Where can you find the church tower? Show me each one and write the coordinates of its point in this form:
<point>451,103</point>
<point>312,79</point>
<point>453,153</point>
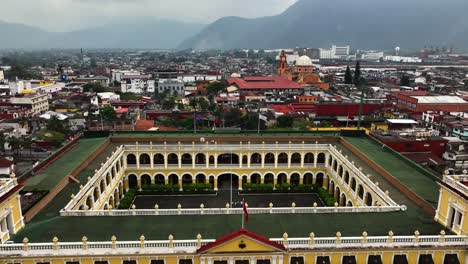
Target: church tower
<point>283,64</point>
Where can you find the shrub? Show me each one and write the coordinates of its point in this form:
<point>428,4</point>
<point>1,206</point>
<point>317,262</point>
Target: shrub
<point>127,201</point>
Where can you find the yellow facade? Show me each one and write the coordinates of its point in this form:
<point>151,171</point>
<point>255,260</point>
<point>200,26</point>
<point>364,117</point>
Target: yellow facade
<point>453,205</point>
<point>11,218</point>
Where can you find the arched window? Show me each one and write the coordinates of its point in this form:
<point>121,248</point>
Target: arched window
<point>131,159</point>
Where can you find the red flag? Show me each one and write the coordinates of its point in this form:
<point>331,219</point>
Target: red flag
<point>246,214</point>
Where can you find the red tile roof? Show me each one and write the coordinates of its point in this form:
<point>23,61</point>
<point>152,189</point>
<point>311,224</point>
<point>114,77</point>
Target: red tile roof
<point>239,233</point>
<point>264,83</point>
<point>143,125</point>
<point>5,163</point>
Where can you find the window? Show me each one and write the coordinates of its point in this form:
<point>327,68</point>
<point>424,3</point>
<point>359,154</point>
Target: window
<point>323,260</point>
<point>220,262</point>
<point>129,262</point>
<point>72,262</point>
<point>451,259</point>
<point>185,261</point>
<point>101,262</point>
<point>157,261</point>
<point>43,262</point>
<point>242,262</point>
<point>263,261</point>
<point>297,260</point>
<point>425,259</point>
<point>349,260</point>
<point>400,259</point>
<point>374,259</point>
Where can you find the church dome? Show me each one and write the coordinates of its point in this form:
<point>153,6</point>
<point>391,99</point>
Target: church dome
<point>304,61</point>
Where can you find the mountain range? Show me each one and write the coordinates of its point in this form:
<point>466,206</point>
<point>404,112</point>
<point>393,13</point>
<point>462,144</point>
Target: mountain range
<point>364,24</point>
<point>138,33</point>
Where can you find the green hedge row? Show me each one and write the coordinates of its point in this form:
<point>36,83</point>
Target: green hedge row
<point>174,188</point>
<point>128,199</point>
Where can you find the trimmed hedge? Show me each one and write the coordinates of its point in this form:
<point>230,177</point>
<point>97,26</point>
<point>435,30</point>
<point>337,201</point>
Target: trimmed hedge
<point>155,189</point>
<point>327,198</point>
<point>127,201</point>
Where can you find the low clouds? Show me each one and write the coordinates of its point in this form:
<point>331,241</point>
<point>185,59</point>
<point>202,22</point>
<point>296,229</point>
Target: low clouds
<point>65,15</point>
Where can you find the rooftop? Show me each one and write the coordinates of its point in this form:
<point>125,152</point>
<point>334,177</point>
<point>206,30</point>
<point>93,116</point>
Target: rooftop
<point>48,223</point>
<point>443,99</point>
<point>264,83</point>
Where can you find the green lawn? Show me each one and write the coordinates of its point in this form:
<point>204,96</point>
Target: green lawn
<point>54,173</point>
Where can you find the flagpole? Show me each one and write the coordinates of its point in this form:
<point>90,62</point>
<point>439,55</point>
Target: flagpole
<point>243,213</point>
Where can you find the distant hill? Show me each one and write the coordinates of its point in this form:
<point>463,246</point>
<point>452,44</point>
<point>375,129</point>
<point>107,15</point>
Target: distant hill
<point>143,33</point>
<point>365,24</point>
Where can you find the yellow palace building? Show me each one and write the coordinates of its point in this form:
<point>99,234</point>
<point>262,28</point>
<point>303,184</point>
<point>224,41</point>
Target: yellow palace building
<point>386,209</point>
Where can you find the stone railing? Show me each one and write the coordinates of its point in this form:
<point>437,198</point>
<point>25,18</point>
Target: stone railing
<point>456,182</point>
<point>226,147</point>
<point>98,175</point>
<point>171,245</point>
<point>364,178</point>
<point>224,211</point>
<point>6,185</point>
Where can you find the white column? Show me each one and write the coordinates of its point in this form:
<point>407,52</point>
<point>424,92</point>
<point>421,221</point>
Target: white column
<point>289,160</point>
<point>138,161</point>
<point>210,260</point>
<point>152,160</point>
<point>193,160</point>
<point>327,160</point>
<point>280,260</point>
<point>165,160</point>
<point>179,157</point>
<point>231,260</point>
<point>273,260</point>
<point>252,260</point>
<point>240,160</point>
<point>276,156</point>
<point>302,160</point>
<point>315,160</point>
<point>202,260</point>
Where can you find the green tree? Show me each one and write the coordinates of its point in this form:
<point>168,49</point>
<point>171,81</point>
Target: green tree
<point>186,123</point>
<point>53,137</point>
<point>284,121</point>
<point>108,113</point>
<point>233,117</point>
<point>405,81</point>
<point>14,143</point>
<point>215,87</point>
<point>93,87</point>
<point>2,141</point>
<point>357,74</point>
<point>203,104</point>
<point>169,103</point>
<point>54,124</point>
<point>348,79</point>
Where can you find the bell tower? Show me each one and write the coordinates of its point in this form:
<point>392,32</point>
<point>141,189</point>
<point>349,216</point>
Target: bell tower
<point>282,64</point>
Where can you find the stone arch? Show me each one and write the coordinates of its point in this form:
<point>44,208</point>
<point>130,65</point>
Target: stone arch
<point>331,187</point>
<point>343,199</point>
<point>283,158</point>
<point>340,171</point>
<point>349,203</point>
<point>111,201</point>
<point>145,179</point>
<point>244,180</point>
<point>309,158</point>
<point>295,178</point>
<point>187,179</point>
<point>321,157</point>
<point>186,159</point>
<point>360,191</point>
<point>346,177</point>
<point>211,180</point>
<point>255,159</point>
<point>244,159</point>
<point>116,197</point>
<point>200,178</point>
<point>211,160</point>
<point>145,159</point>
<point>337,194</point>
<point>319,179</point>
<point>173,179</point>
<point>106,206</point>
<point>172,159</point>
<point>158,159</point>
<point>228,159</point>
<point>132,181</point>
<point>108,178</point>
<point>335,165</point>
<point>353,184</point>
<point>159,179</point>
<point>89,202</point>
<point>330,161</point>
<point>269,158</point>
<point>308,178</point>
<point>296,158</point>
<point>102,185</point>
<point>81,208</point>
<point>200,159</point>
<point>268,178</point>
<point>368,199</point>
<point>255,178</point>
<point>96,194</point>
<point>113,170</point>
<point>282,178</point>
<point>131,159</point>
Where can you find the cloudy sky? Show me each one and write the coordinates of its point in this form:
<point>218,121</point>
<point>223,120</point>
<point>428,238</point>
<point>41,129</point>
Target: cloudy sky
<point>64,15</point>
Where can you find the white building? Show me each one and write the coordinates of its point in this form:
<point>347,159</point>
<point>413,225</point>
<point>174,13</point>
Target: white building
<point>117,74</point>
<point>137,84</point>
<point>2,76</point>
<point>336,52</point>
<point>171,86</point>
<point>372,55</point>
<point>403,59</point>
<point>105,98</point>
<point>37,103</point>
